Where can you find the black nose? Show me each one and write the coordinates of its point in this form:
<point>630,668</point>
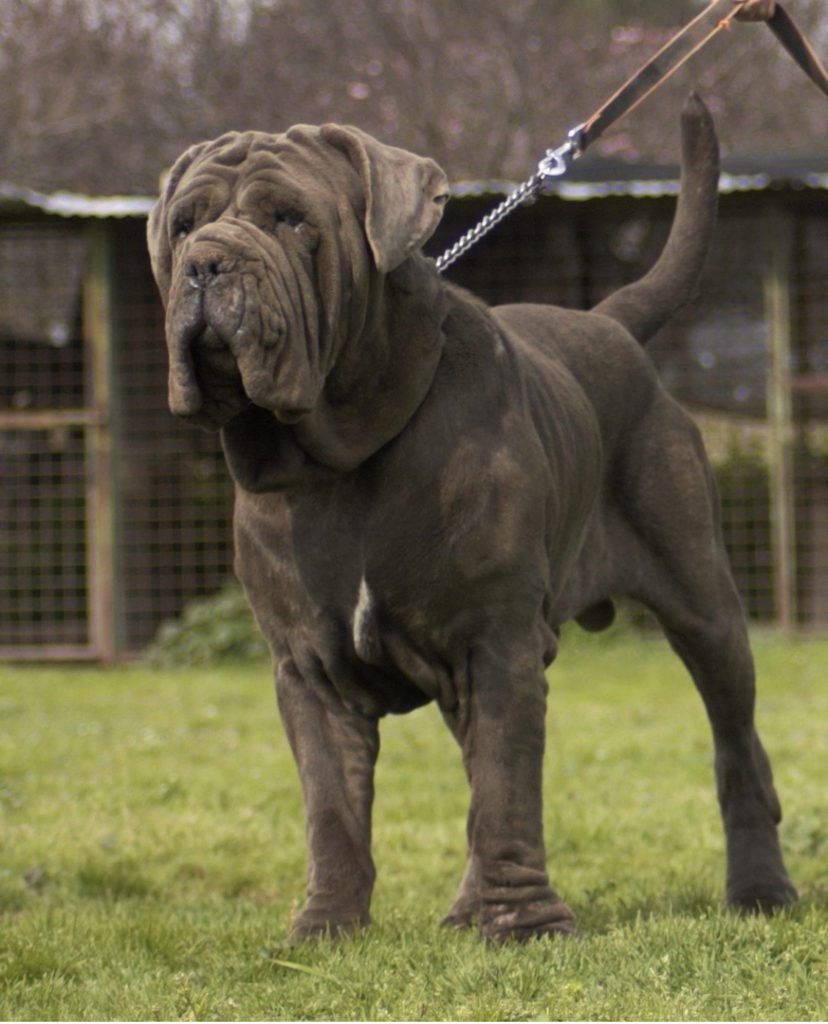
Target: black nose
<point>201,272</point>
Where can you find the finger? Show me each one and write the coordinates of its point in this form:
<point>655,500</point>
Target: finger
<point>754,10</point>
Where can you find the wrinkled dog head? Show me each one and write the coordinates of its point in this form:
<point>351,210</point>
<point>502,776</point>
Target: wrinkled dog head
<point>261,246</point>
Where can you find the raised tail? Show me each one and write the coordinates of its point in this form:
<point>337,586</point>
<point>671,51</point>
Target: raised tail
<point>645,305</point>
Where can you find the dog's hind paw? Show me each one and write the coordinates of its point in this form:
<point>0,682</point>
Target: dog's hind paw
<point>763,898</point>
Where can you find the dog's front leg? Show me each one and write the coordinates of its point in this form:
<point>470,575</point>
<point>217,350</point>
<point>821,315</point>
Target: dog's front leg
<point>336,751</point>
<point>502,733</point>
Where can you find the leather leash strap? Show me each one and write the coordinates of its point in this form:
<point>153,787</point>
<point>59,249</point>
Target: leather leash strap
<point>712,20</point>
<point>716,17</point>
<point>790,36</point>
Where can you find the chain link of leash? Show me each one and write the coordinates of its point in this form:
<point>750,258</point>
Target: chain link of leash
<point>555,163</point>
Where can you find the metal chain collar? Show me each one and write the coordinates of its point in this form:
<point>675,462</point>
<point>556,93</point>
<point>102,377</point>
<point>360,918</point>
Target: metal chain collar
<point>555,163</point>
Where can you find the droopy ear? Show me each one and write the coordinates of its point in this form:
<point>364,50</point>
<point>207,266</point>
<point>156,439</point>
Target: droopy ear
<point>159,251</point>
<point>157,242</point>
<point>404,194</point>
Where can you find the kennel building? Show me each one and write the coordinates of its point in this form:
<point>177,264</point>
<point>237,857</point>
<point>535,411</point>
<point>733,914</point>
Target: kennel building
<point>114,515</point>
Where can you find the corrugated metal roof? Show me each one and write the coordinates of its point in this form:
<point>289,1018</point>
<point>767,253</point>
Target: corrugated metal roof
<point>67,204</point>
<point>651,182</point>
<point>601,180</point>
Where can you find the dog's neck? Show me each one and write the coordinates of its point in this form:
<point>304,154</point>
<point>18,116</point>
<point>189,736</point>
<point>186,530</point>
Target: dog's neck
<point>382,374</point>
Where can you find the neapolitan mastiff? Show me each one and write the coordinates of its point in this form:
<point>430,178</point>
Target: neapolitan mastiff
<point>427,488</point>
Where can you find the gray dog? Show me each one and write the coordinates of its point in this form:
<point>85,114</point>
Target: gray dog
<point>427,488</point>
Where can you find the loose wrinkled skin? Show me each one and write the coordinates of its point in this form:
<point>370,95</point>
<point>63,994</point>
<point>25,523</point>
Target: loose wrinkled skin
<point>426,489</point>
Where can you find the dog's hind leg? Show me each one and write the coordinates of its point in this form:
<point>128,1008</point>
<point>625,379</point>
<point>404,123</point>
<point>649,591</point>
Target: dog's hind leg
<point>719,659</point>
<point>674,537</point>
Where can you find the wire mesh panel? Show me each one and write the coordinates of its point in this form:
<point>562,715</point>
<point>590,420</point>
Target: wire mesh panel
<point>165,494</point>
<point>535,255</point>
<point>43,522</point>
<point>713,356</point>
<point>810,398</point>
<point>173,491</point>
<point>171,497</point>
<point>43,558</point>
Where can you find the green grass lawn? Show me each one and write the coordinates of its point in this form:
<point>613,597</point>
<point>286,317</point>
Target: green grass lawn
<point>151,853</point>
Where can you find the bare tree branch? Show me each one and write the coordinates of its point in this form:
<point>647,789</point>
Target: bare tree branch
<point>103,101</point>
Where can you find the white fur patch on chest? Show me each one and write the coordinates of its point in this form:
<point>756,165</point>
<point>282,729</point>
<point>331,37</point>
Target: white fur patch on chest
<point>363,629</point>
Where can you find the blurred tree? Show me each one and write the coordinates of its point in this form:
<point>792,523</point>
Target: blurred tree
<point>100,95</point>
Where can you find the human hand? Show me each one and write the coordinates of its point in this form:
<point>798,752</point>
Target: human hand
<point>755,10</point>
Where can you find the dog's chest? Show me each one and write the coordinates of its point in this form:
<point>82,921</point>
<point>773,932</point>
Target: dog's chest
<point>390,577</point>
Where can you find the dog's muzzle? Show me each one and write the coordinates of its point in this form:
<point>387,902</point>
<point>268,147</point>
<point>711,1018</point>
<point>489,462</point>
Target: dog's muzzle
<point>227,348</point>
<point>205,316</point>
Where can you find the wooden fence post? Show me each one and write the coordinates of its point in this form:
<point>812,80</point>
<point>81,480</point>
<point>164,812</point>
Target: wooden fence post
<point>101,516</point>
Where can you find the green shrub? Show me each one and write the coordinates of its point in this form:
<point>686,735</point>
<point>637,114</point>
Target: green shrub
<point>209,631</point>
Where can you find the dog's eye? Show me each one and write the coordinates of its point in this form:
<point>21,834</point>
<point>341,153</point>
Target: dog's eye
<point>181,227</point>
<point>289,220</point>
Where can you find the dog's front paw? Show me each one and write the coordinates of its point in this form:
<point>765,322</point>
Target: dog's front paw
<point>521,922</point>
<point>311,924</point>
<point>460,917</point>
